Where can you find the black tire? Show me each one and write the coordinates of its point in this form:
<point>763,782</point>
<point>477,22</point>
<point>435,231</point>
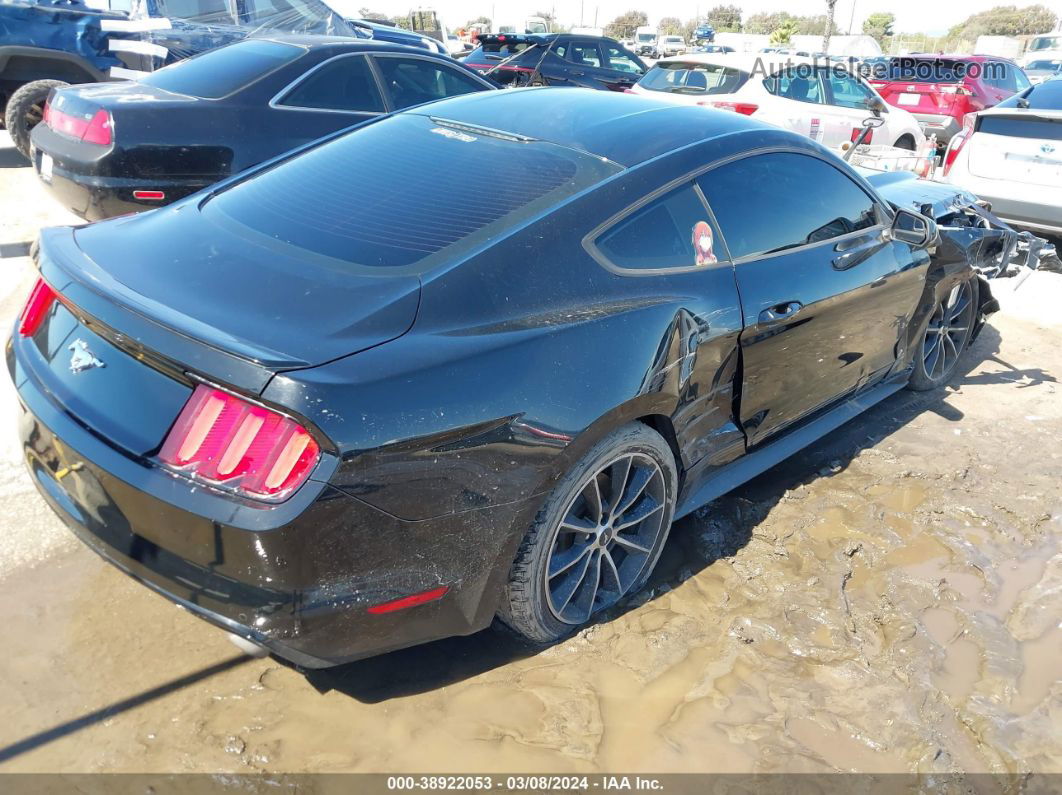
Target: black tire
<point>905,142</point>
<point>623,547</point>
<point>944,336</point>
<point>25,109</point>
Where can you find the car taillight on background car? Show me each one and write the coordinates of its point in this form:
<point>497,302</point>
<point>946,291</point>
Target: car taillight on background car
<point>249,449</point>
<point>96,129</point>
<point>39,303</point>
<point>958,141</point>
<point>744,108</point>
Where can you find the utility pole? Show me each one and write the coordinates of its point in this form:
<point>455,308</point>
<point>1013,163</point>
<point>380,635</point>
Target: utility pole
<point>851,19</point>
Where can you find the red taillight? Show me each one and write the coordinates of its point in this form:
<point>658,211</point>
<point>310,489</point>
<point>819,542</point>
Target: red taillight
<point>226,440</point>
<point>96,130</point>
<point>410,601</point>
<point>959,141</point>
<point>149,195</point>
<point>40,301</point>
<point>744,108</point>
<point>855,134</point>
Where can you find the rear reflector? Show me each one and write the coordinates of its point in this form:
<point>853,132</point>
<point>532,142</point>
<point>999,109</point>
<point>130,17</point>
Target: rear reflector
<point>744,108</point>
<point>39,303</point>
<point>958,141</point>
<point>855,134</point>
<point>149,195</point>
<point>410,601</point>
<point>95,130</point>
<point>251,450</point>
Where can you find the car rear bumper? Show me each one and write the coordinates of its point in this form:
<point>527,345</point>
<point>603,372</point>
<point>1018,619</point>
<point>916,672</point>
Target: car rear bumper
<point>298,579</point>
<point>81,179</point>
<point>944,127</point>
<point>1035,207</point>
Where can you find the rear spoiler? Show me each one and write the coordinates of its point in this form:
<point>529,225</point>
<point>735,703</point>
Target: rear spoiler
<point>509,38</point>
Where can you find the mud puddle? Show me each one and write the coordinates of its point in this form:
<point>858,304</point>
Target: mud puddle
<point>889,601</point>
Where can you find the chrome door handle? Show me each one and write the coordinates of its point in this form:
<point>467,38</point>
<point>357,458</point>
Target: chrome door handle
<point>779,311</point>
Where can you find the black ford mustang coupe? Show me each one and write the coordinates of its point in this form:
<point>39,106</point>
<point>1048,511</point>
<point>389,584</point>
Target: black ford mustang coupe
<point>107,149</point>
<point>336,420</point>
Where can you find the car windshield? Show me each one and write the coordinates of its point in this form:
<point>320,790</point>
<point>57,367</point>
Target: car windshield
<point>218,73</point>
<point>407,192</point>
<point>693,78</point>
<point>1045,66</point>
<point>293,16</point>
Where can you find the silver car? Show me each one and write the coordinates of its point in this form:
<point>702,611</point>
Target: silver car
<point>1011,157</point>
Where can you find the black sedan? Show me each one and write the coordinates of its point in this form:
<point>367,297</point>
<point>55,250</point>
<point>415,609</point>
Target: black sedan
<point>337,420</point>
<point>112,148</point>
<point>557,59</point>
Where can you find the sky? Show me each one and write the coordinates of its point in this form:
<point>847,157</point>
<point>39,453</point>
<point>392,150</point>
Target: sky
<point>912,16</point>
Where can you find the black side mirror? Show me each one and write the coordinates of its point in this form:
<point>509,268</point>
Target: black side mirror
<point>914,229</point>
<point>875,105</point>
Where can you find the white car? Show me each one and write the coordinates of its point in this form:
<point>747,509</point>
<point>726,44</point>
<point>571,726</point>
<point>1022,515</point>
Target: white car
<point>671,45</point>
<point>1011,156</point>
<point>823,101</point>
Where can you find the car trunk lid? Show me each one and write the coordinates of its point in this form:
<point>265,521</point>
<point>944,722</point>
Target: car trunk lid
<point>1024,145</point>
<point>238,295</point>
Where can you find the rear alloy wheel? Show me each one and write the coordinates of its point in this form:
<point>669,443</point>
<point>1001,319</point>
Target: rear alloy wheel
<point>946,335</point>
<point>597,538</point>
<point>25,110</point>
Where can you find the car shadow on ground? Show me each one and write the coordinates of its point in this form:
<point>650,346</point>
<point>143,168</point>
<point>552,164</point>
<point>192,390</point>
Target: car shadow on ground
<point>12,158</point>
<point>696,542</point>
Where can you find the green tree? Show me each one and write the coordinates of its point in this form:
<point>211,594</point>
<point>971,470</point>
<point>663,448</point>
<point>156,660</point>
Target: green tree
<point>815,25</point>
<point>879,25</point>
<point>725,18</point>
<point>783,34</point>
<point>767,23</point>
<point>478,21</point>
<point>623,26</point>
<point>1006,21</point>
<point>670,26</point>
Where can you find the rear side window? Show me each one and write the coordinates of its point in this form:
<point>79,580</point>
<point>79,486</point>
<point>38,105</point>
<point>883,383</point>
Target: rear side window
<point>584,53</point>
<point>773,202</point>
<point>414,81</point>
<point>220,72</point>
<point>346,84</point>
<point>800,83</point>
<point>383,195</point>
<point>693,78</point>
<point>1025,127</point>
<point>670,232</point>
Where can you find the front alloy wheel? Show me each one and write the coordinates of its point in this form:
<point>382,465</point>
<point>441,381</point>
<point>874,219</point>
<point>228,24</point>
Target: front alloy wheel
<point>596,538</point>
<point>946,336</point>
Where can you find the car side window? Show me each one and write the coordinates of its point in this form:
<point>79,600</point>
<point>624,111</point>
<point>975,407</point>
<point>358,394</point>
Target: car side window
<point>584,53</point>
<point>781,200</point>
<point>414,81</point>
<point>849,92</point>
<point>345,84</point>
<point>799,83</point>
<point>671,231</point>
<point>621,61</point>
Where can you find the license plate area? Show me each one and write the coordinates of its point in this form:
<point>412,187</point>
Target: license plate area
<point>908,99</point>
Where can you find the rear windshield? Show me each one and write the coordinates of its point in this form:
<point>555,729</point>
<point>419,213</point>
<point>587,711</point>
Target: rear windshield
<point>1026,127</point>
<point>693,78</point>
<point>405,192</point>
<point>220,72</point>
<point>1046,96</point>
<point>496,51</point>
<point>925,70</point>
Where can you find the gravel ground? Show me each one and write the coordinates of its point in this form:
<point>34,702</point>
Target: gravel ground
<point>888,601</point>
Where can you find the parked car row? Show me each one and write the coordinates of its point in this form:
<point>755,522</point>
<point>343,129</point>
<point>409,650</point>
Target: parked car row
<point>335,411</point>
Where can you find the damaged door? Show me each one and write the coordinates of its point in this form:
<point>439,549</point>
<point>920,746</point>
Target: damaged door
<point>826,293</point>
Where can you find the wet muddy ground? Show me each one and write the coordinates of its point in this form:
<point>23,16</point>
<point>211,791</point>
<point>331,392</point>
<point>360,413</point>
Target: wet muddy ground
<point>888,601</point>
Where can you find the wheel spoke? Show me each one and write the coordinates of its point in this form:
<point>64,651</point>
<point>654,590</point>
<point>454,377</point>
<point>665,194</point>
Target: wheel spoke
<point>591,583</point>
<point>646,508</point>
<point>930,363</point>
<point>613,571</point>
<point>592,495</point>
<point>951,344</point>
<point>626,543</point>
<point>574,524</point>
<point>620,473</point>
<point>639,480</point>
<point>571,584</point>
<point>561,562</point>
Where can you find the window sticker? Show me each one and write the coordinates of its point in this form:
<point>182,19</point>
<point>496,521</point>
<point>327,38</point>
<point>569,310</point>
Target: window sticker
<point>704,243</point>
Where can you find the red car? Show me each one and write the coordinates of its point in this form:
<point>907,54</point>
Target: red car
<point>941,89</point>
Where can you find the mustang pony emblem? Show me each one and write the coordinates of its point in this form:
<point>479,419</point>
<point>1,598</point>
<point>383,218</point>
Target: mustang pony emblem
<point>82,359</point>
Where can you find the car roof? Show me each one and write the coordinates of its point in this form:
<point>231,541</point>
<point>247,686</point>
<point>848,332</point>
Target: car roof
<point>626,129</point>
<point>768,62</point>
<point>342,43</point>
